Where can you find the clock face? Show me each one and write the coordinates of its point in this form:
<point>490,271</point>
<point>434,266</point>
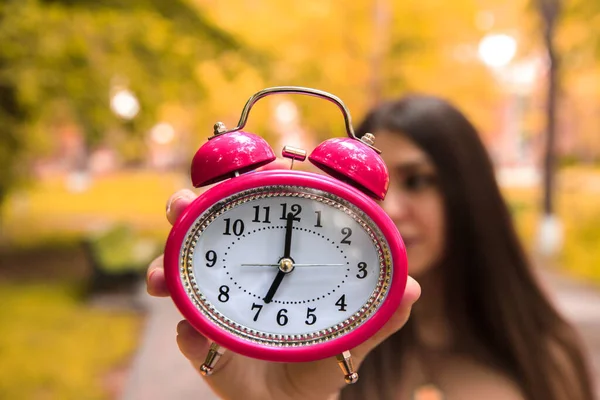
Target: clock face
<point>285,265</point>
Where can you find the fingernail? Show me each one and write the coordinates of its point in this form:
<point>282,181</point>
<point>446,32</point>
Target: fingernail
<point>150,274</point>
<point>149,285</point>
<point>170,203</point>
<point>183,194</point>
<point>412,294</point>
<point>155,281</point>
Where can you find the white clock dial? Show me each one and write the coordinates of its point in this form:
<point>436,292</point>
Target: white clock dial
<point>339,265</point>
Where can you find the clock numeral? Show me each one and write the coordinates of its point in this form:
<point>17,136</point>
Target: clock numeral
<point>310,317</point>
<point>259,306</point>
<point>237,227</point>
<point>282,318</point>
<point>223,294</point>
<point>362,270</point>
<point>348,233</point>
<point>211,257</point>
<point>294,209</point>
<point>318,224</point>
<point>341,303</point>
<point>257,213</point>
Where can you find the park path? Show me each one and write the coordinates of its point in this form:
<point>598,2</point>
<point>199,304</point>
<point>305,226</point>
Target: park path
<point>160,372</point>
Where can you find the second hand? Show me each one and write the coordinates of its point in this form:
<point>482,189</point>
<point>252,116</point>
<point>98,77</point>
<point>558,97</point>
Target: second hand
<point>295,265</point>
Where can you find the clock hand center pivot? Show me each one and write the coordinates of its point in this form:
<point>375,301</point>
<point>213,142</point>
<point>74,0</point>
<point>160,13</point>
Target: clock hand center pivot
<point>286,265</point>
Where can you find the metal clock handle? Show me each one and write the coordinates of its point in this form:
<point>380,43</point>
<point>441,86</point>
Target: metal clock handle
<point>220,128</point>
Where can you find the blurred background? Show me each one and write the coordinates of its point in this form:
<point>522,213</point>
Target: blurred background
<point>103,103</point>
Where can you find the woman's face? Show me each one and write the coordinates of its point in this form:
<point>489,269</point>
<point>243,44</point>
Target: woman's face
<point>413,200</point>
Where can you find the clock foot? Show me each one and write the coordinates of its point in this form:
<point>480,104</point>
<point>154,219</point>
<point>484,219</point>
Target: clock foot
<point>214,353</point>
<point>345,362</point>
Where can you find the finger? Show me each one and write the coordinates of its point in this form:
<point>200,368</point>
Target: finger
<point>191,343</point>
<point>177,203</point>
<point>195,347</point>
<point>397,321</point>
<point>155,278</point>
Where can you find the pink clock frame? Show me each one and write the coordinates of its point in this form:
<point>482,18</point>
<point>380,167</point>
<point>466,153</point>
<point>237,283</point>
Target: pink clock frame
<point>311,352</point>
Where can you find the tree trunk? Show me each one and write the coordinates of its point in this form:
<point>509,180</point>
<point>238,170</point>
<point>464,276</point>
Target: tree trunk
<point>549,10</point>
<point>381,24</point>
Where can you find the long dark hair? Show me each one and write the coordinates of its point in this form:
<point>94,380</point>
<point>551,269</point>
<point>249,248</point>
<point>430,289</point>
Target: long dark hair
<point>491,293</point>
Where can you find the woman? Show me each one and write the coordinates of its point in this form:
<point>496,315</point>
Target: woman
<point>482,328</point>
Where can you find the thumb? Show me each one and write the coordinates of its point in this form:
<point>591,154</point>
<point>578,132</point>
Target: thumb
<point>324,376</point>
<point>397,321</point>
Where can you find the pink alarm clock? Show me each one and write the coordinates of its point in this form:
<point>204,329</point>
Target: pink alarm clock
<point>285,265</point>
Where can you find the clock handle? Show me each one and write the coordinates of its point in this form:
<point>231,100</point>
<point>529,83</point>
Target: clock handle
<point>292,90</point>
<point>230,152</point>
<point>353,160</point>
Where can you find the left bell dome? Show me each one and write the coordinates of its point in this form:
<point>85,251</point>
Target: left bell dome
<point>224,155</point>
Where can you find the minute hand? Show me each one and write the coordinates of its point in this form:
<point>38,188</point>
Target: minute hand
<point>286,255</point>
<point>288,236</point>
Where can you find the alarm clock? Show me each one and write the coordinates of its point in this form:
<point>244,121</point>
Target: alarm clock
<point>286,265</point>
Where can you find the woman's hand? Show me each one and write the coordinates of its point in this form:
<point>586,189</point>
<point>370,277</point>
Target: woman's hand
<point>238,377</point>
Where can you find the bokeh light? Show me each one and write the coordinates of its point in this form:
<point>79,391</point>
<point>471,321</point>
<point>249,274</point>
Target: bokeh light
<point>125,104</point>
<point>497,50</point>
<point>162,133</point>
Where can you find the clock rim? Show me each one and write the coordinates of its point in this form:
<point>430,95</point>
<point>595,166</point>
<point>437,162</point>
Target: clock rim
<point>215,313</point>
<point>304,353</point>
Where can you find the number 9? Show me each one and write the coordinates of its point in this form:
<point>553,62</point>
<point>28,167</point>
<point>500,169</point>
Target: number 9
<point>211,257</point>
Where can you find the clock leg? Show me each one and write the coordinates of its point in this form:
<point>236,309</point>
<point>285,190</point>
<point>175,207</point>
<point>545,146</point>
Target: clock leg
<point>214,353</point>
<point>345,362</point>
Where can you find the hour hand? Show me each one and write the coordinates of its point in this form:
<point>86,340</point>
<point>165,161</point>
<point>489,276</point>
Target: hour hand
<point>274,286</point>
